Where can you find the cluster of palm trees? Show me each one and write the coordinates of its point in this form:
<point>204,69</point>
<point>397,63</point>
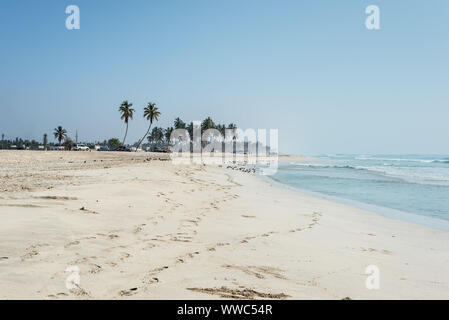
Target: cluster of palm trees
<point>158,135</point>
<point>219,134</point>
<point>206,124</point>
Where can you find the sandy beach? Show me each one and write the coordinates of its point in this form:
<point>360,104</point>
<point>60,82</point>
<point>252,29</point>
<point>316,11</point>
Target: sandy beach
<point>137,226</point>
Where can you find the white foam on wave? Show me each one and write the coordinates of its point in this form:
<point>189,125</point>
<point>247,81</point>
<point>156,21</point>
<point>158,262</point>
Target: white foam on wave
<point>397,159</point>
<point>422,175</point>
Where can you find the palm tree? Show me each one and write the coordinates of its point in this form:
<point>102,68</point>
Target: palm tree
<point>60,134</point>
<point>151,137</point>
<point>207,124</point>
<point>221,128</point>
<point>159,136</point>
<point>167,134</point>
<point>151,113</point>
<point>156,136</point>
<point>190,130</point>
<point>126,113</point>
<point>179,124</point>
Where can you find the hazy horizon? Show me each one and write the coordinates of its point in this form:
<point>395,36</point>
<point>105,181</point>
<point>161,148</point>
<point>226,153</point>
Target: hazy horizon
<point>311,70</point>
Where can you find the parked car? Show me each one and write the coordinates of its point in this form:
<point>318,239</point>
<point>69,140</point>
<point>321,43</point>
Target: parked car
<point>104,148</point>
<point>122,148</point>
<point>161,149</point>
<point>81,147</point>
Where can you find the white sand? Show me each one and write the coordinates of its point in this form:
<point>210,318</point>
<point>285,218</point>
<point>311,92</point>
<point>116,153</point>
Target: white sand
<point>195,232</point>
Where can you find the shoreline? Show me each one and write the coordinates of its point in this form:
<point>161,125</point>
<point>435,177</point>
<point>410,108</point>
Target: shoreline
<point>390,213</point>
<point>138,227</point>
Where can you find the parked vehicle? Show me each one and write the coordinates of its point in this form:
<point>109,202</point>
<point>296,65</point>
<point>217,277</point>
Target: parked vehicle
<point>123,149</point>
<point>161,150</point>
<point>81,147</point>
<point>104,148</point>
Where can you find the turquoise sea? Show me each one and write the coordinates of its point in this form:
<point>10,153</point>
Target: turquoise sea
<point>408,187</point>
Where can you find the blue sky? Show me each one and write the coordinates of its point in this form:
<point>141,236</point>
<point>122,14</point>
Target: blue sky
<point>308,68</point>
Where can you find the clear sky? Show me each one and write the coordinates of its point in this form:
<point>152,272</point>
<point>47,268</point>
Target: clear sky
<point>308,68</point>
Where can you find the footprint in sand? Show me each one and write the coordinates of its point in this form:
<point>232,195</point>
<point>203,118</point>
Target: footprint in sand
<point>80,292</point>
<point>31,251</point>
<point>95,269</point>
<point>258,271</point>
<point>375,250</point>
<point>73,243</point>
<point>84,209</point>
<point>58,198</point>
<point>139,228</point>
<point>128,292</point>
<point>245,293</point>
<point>110,236</point>
<point>124,255</point>
<point>56,296</point>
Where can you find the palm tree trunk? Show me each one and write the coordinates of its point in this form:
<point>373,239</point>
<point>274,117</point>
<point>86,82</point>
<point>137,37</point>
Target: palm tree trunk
<point>126,133</point>
<point>141,140</point>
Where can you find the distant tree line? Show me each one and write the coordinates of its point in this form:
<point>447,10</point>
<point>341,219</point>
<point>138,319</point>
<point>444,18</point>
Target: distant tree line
<point>155,137</point>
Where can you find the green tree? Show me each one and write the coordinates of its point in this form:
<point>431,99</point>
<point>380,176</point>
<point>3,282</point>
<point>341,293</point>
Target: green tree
<point>221,128</point>
<point>156,136</point>
<point>190,130</point>
<point>207,124</point>
<point>114,143</point>
<point>179,124</point>
<point>126,113</point>
<point>60,134</point>
<point>151,113</point>
<point>68,144</point>
<point>167,134</point>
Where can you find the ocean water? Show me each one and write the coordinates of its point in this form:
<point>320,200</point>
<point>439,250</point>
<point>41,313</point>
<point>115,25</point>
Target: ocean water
<point>410,187</point>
